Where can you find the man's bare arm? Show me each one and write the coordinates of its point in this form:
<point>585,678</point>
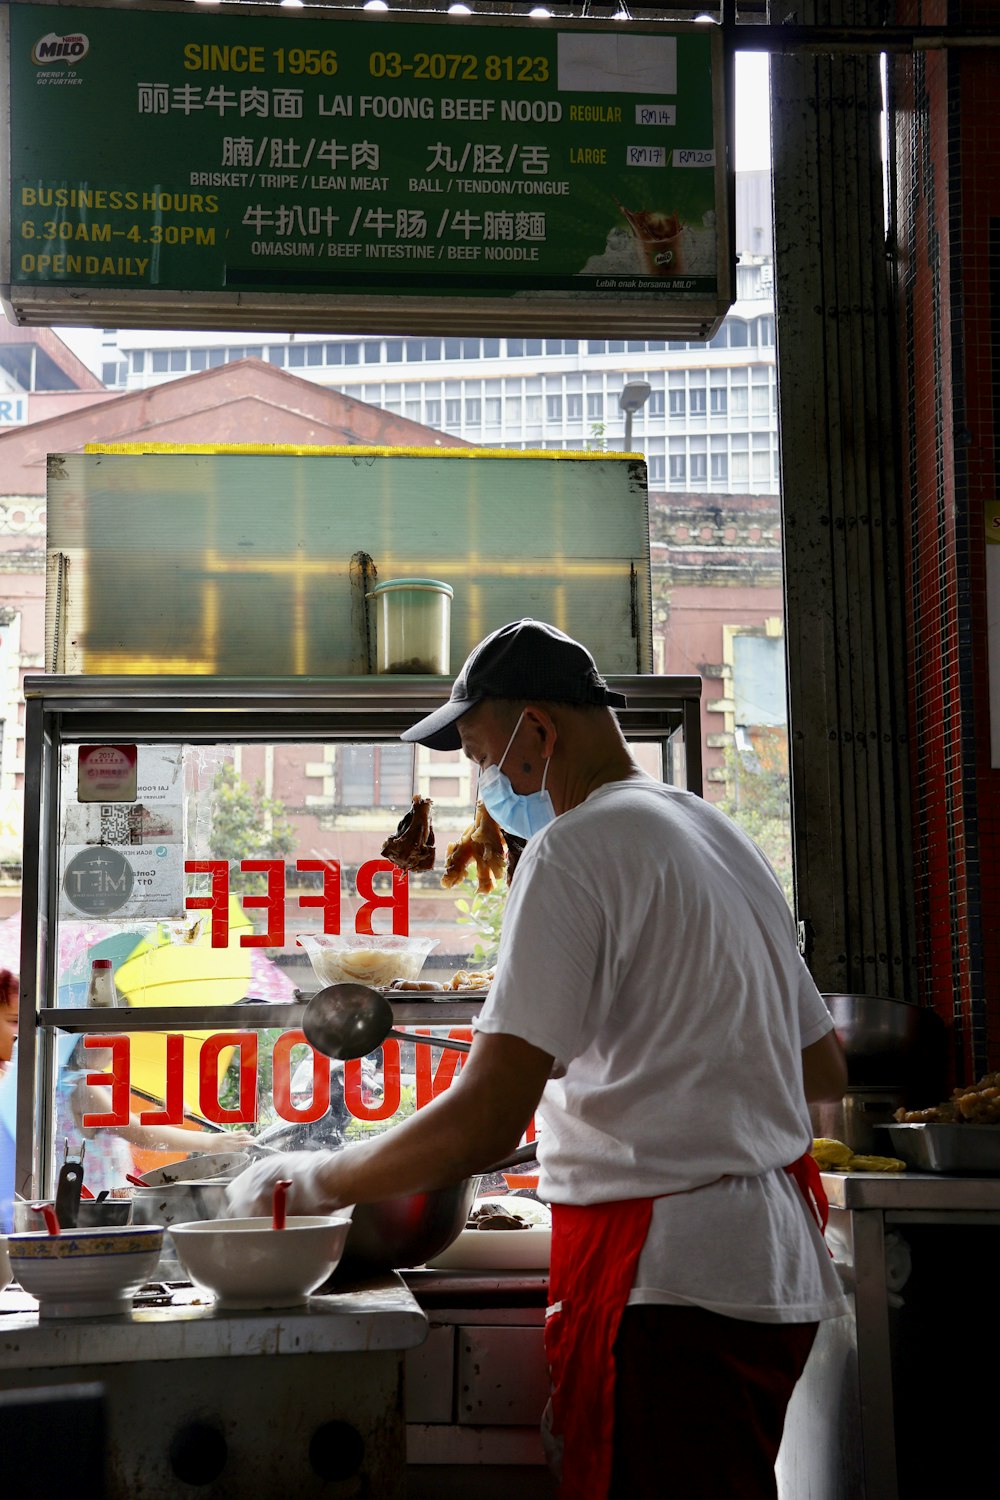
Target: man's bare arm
<point>824,1070</point>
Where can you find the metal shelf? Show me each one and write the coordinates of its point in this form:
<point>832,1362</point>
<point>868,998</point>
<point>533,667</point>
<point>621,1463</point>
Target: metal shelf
<point>430,1011</point>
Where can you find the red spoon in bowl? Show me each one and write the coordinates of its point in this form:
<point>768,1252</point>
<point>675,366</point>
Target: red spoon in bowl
<point>280,1194</point>
<point>48,1213</point>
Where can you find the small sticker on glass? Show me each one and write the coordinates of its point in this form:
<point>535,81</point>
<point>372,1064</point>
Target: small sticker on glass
<point>107,773</point>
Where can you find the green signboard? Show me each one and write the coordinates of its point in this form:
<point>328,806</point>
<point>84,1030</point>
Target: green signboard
<point>467,172</point>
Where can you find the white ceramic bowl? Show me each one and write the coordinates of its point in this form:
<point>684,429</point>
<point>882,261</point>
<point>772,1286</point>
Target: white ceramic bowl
<point>249,1264</point>
<point>85,1273</point>
<point>352,959</point>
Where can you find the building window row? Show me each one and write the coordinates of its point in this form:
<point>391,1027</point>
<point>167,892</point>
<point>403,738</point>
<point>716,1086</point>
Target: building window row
<point>737,392</point>
<point>735,333</point>
<point>735,396</point>
<point>738,462</point>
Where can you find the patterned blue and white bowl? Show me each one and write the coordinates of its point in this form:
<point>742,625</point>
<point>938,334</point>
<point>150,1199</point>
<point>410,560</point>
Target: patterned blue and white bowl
<point>85,1273</point>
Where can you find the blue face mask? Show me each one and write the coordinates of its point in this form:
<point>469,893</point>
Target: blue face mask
<point>518,812</point>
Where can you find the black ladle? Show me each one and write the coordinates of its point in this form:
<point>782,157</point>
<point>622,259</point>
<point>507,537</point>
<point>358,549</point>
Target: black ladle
<point>351,1020</point>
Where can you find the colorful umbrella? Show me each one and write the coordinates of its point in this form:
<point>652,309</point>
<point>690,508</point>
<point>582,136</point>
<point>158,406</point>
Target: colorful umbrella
<point>162,963</point>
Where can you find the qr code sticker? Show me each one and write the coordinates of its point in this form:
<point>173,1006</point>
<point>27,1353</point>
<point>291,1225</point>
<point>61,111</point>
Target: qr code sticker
<point>119,825</point>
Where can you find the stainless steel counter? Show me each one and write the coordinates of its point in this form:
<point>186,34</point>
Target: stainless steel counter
<point>382,1315</point>
<point>912,1192</point>
<point>224,1402</point>
<point>866,1420</point>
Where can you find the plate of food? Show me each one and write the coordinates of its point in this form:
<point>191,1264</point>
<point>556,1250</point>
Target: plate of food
<point>463,981</point>
<point>503,1234</point>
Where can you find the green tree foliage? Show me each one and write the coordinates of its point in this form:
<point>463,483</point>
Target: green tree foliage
<point>758,799</point>
<point>484,913</point>
<point>247,825</point>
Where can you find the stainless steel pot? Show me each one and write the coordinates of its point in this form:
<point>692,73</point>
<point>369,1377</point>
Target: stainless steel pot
<point>179,1202</point>
<point>410,1230</point>
<point>406,1231</point>
<point>90,1215</point>
<point>855,1118</point>
<point>881,1037</point>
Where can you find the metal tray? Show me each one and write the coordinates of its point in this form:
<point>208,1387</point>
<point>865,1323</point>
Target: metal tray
<point>947,1148</point>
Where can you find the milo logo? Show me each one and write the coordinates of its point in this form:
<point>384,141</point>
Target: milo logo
<point>56,49</point>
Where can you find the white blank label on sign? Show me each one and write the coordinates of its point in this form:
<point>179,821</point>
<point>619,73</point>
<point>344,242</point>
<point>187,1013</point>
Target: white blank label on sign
<point>599,64</point>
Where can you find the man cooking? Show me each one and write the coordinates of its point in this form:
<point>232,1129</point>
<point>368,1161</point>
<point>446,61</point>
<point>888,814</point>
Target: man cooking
<point>650,1002</point>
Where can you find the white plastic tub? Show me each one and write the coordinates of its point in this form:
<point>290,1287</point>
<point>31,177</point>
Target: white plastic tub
<point>413,626</point>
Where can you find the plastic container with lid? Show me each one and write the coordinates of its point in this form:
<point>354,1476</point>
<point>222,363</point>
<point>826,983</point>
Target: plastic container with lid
<point>413,630</point>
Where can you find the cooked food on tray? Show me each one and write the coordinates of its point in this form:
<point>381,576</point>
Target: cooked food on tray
<point>495,1216</point>
<point>977,1104</point>
<point>472,979</point>
<point>483,842</point>
<point>464,979</point>
<point>411,847</point>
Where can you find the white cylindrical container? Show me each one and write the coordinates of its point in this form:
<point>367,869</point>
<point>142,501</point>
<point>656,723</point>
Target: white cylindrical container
<point>101,991</point>
<point>413,630</point>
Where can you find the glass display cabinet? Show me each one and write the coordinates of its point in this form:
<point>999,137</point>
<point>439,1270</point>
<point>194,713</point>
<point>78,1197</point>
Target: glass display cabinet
<point>190,831</point>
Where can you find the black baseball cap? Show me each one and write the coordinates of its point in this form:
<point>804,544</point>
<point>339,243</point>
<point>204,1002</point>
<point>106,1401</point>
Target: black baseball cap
<point>525,659</point>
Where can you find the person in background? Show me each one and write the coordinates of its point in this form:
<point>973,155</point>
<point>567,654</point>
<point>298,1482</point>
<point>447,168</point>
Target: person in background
<point>650,1003</point>
<point>9,998</point>
<point>108,1157</point>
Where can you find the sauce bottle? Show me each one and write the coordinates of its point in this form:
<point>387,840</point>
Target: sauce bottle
<point>101,991</point>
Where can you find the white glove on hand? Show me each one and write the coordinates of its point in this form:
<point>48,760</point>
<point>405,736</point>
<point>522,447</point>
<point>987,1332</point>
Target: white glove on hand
<point>251,1195</point>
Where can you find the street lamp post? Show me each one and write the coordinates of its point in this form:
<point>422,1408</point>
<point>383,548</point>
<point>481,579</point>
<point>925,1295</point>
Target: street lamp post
<point>632,398</point>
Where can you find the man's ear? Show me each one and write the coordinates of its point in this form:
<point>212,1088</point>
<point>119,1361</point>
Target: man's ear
<point>542,725</point>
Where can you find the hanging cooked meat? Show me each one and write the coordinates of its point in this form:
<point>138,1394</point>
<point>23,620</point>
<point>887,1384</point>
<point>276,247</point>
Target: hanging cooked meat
<point>483,842</point>
<point>411,847</point>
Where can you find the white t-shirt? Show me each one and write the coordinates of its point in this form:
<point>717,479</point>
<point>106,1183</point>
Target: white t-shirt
<point>648,947</point>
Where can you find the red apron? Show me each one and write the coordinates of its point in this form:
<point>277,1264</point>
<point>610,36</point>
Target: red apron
<point>595,1252</point>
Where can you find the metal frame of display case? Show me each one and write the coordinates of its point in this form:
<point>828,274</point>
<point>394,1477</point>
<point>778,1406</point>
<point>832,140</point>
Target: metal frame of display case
<point>203,710</point>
